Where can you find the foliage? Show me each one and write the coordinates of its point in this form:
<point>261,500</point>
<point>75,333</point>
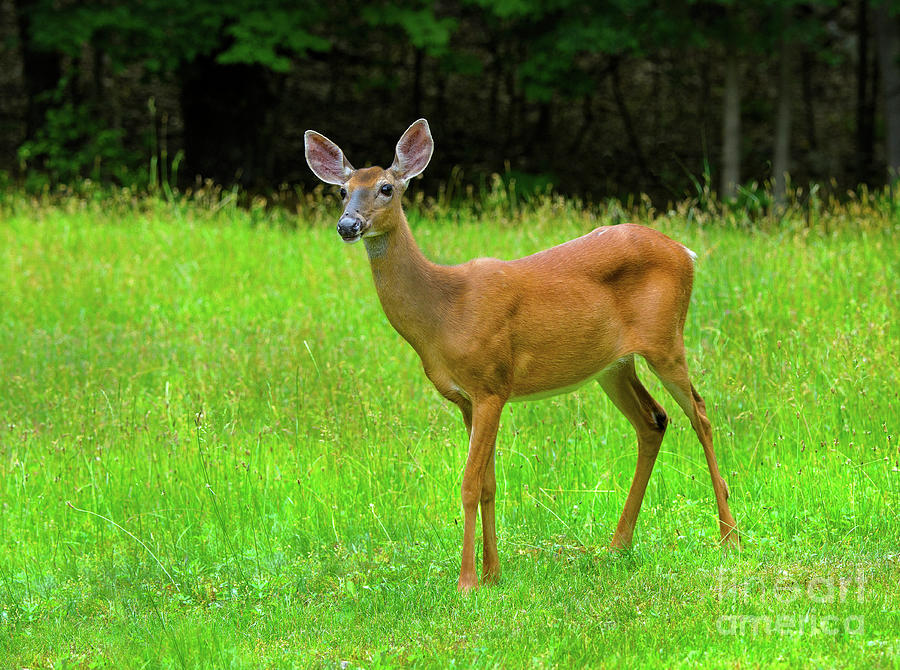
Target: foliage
<point>564,40</point>
<point>73,143</point>
<point>270,38</point>
<point>422,27</point>
<point>164,34</point>
<point>161,36</point>
<point>504,76</point>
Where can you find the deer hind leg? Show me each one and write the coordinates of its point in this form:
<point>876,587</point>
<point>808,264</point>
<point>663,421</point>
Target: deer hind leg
<point>672,372</point>
<point>490,565</point>
<point>649,420</point>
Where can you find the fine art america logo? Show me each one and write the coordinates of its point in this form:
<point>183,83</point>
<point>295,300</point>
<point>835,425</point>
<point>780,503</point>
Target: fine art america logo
<point>814,594</point>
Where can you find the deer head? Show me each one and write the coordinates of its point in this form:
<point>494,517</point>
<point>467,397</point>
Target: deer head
<point>371,196</point>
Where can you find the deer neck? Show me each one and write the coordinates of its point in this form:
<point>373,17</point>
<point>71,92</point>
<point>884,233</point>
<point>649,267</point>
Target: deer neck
<point>414,292</point>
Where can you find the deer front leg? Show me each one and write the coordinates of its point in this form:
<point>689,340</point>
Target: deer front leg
<point>485,422</point>
<point>490,567</point>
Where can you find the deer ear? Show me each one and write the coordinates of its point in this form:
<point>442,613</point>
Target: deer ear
<point>413,151</point>
<point>326,159</point>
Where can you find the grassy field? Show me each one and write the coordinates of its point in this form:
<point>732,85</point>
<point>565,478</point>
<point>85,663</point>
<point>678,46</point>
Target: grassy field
<point>215,452</point>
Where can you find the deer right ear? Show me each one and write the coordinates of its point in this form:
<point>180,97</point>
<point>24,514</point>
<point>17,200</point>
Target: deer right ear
<point>326,159</point>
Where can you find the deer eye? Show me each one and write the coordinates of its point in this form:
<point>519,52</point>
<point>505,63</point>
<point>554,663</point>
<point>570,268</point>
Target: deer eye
<point>343,193</point>
<point>387,189</point>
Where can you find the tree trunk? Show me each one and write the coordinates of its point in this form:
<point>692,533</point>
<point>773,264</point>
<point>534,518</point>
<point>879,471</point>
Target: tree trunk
<point>865,107</point>
<point>587,120</point>
<point>540,148</point>
<point>888,31</point>
<point>12,87</point>
<point>513,111</point>
<point>440,104</point>
<point>494,93</point>
<point>809,112</point>
<point>417,95</point>
<point>731,128</point>
<point>781,160</point>
<point>628,124</point>
<point>41,72</point>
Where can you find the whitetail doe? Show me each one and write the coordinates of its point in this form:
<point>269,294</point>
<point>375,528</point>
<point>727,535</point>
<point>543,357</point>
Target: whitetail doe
<point>491,331</point>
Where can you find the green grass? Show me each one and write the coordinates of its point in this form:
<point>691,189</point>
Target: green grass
<point>215,452</point>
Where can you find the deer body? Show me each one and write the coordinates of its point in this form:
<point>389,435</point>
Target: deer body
<point>541,336</point>
<point>490,331</point>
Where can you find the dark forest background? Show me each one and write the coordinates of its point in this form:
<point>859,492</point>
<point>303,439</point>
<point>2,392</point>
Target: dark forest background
<point>606,98</point>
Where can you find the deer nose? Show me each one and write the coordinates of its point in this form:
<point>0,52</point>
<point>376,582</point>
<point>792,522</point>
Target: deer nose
<point>349,226</point>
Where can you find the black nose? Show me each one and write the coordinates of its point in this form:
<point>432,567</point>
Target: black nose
<point>349,226</point>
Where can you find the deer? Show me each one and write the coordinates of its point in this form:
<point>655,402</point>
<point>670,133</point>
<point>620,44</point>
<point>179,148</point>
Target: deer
<point>491,331</point>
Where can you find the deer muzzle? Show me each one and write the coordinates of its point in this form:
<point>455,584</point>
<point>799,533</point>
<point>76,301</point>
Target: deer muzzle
<point>350,227</point>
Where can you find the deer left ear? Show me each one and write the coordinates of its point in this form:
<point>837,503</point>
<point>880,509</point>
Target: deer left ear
<point>413,151</point>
